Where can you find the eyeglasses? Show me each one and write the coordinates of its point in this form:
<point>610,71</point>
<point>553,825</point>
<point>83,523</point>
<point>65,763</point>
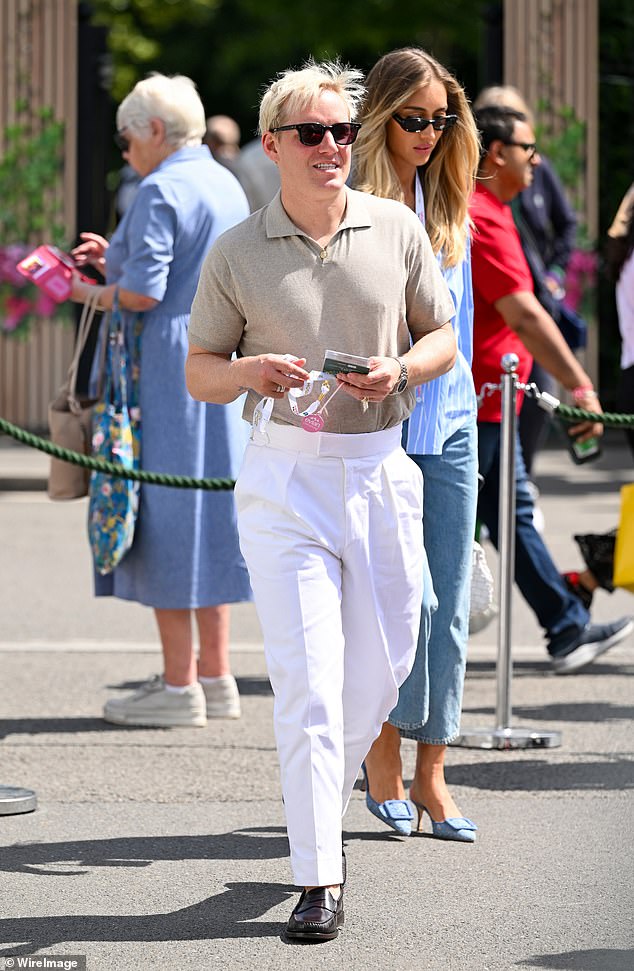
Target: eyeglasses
<point>120,140</point>
<point>529,147</point>
<point>312,133</point>
<point>414,123</point>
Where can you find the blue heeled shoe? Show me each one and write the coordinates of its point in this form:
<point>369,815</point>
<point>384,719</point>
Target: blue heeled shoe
<point>457,828</point>
<point>396,813</point>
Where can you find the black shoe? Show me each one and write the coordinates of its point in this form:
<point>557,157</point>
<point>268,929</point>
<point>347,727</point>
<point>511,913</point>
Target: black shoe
<point>317,916</point>
<point>588,644</point>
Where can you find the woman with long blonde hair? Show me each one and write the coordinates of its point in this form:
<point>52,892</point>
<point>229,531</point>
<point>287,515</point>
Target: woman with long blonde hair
<point>418,144</point>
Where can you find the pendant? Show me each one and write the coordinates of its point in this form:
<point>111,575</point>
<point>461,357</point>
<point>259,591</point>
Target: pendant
<point>312,423</point>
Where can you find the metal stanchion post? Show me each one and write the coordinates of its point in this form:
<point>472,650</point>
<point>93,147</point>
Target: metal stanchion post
<point>14,800</point>
<point>502,736</point>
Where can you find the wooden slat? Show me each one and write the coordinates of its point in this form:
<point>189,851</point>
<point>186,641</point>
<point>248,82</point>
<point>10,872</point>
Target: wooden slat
<point>551,53</point>
<point>38,41</point>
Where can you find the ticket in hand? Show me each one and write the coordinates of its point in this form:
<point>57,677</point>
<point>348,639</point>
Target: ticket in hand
<point>336,362</point>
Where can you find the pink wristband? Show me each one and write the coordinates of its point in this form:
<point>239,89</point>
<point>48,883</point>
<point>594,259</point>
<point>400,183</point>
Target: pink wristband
<point>584,391</point>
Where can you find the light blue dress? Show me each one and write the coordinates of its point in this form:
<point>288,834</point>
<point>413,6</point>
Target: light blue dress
<point>185,552</point>
<point>441,438</point>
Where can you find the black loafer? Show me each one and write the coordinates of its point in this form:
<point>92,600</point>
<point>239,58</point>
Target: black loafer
<point>317,916</point>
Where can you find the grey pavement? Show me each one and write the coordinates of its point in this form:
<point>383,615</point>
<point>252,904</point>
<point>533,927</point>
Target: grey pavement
<point>159,849</point>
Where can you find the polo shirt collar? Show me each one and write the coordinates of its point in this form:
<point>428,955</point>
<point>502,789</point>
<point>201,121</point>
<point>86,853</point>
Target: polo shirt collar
<point>278,222</point>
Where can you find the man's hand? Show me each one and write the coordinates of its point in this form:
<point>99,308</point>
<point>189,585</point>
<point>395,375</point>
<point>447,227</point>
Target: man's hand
<point>587,429</point>
<point>271,375</point>
<point>375,386</point>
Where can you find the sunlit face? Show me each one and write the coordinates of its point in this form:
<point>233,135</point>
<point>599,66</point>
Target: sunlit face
<point>321,169</point>
<point>143,153</point>
<point>519,162</point>
<point>408,150</point>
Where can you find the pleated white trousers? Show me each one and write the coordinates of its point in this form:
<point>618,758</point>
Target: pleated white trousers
<point>331,530</point>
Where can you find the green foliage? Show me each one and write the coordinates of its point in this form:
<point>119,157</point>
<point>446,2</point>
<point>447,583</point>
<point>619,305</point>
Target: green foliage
<point>30,171</point>
<point>31,168</point>
<point>563,141</point>
<point>231,48</point>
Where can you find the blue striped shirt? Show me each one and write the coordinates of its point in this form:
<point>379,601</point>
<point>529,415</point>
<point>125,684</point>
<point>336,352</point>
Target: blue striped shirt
<point>444,404</point>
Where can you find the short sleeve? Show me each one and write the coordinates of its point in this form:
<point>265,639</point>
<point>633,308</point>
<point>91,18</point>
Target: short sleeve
<point>150,232</point>
<point>498,264</point>
<point>216,322</point>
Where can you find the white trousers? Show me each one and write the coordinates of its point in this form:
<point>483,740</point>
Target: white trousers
<point>331,530</point>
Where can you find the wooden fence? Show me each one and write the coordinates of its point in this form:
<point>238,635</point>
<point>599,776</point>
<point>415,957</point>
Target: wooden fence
<point>38,63</point>
<point>550,54</point>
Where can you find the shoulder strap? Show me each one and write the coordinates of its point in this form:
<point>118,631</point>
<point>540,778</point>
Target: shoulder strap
<point>88,312</point>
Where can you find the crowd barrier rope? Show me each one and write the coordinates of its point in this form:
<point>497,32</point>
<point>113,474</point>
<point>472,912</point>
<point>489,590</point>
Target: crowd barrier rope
<point>502,735</point>
<point>547,401</point>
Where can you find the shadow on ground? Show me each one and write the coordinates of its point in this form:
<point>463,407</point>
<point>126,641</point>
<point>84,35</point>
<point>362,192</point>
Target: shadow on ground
<point>597,959</point>
<point>613,773</point>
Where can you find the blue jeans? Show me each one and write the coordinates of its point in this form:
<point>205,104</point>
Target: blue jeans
<point>430,700</point>
<point>558,611</point>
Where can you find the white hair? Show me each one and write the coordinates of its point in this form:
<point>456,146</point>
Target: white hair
<point>174,100</point>
<point>293,90</point>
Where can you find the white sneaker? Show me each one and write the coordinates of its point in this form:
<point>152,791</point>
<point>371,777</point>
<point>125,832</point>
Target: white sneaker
<point>152,706</point>
<point>223,700</point>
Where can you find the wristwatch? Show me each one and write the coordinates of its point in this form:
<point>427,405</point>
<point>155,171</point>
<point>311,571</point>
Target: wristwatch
<point>401,381</point>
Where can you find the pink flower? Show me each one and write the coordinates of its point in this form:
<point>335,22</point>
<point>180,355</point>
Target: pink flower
<point>581,276</point>
<point>44,305</point>
<point>9,256</point>
<point>15,309</point>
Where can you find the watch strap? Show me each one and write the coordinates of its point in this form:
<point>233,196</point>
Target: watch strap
<point>401,382</point>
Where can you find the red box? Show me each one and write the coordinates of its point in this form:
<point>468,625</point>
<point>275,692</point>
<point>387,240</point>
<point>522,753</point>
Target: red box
<point>51,270</point>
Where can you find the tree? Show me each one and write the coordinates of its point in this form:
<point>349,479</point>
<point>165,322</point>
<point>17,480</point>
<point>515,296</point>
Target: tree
<point>231,48</point>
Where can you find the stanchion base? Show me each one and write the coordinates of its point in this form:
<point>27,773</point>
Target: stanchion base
<point>14,800</point>
<point>507,738</point>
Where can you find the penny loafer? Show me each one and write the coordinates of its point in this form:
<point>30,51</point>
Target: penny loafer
<point>316,917</point>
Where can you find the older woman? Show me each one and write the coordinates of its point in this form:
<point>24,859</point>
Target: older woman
<point>185,556</point>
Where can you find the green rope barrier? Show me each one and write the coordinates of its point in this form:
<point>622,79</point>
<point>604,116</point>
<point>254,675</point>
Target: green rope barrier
<point>112,468</point>
<point>609,419</point>
<point>567,413</point>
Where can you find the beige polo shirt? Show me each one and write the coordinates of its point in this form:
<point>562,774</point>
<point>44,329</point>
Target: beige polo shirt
<point>267,288</point>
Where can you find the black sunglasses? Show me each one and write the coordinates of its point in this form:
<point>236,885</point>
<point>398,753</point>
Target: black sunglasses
<point>529,147</point>
<point>312,133</point>
<point>414,123</point>
<point>122,143</point>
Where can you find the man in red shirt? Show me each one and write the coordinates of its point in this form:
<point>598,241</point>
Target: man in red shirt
<point>508,318</point>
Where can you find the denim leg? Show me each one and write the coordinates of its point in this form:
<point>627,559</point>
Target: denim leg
<point>430,700</point>
<point>536,575</point>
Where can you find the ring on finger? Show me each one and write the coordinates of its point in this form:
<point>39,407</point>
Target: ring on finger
<point>279,388</point>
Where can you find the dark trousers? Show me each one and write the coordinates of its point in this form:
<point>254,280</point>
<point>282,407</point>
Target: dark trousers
<point>558,611</point>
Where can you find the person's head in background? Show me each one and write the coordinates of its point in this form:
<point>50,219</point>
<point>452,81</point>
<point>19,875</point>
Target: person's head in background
<point>433,133</point>
<point>160,116</point>
<point>509,153</point>
<point>222,137</point>
<point>506,96</point>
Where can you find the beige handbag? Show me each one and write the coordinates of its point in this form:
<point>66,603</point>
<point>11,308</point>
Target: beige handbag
<point>70,418</point>
<point>482,609</point>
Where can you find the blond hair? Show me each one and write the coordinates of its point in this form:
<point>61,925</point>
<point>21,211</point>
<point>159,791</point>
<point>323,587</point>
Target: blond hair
<point>174,100</point>
<point>451,170</point>
<point>294,90</point>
